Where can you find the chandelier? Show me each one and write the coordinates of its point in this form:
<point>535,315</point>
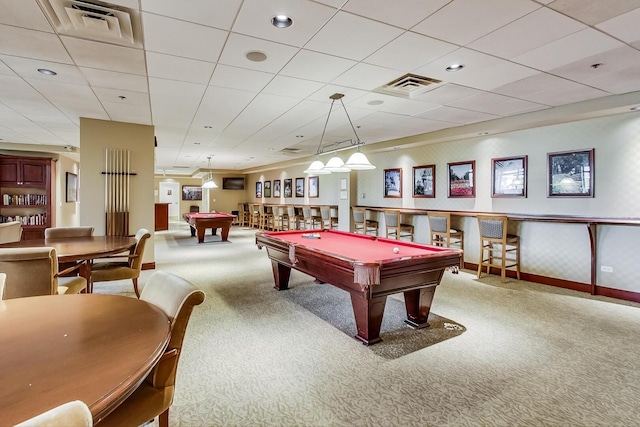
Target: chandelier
<point>208,183</point>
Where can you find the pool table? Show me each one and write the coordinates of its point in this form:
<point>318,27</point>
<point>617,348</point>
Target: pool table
<point>200,221</point>
<point>365,266</point>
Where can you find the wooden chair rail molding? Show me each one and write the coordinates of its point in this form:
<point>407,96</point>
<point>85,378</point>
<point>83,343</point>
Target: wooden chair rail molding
<point>590,221</point>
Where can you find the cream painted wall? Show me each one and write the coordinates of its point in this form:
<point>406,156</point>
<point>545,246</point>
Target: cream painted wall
<point>67,213</point>
<point>95,137</point>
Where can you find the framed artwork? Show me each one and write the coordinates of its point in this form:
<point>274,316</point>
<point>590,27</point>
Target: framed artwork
<point>299,187</point>
<point>393,182</point>
<point>424,181</point>
<point>571,173</point>
<point>72,187</point>
<point>276,188</point>
<point>259,190</point>
<point>267,189</point>
<point>314,189</point>
<point>191,192</point>
<point>462,179</point>
<point>287,187</point>
<point>509,177</point>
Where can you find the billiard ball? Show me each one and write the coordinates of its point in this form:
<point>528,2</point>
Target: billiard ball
<point>396,250</point>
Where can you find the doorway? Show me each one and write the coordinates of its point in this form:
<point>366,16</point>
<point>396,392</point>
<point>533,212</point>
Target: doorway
<point>170,193</point>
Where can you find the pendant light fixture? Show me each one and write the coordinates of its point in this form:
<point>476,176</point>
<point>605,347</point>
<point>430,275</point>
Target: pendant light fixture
<point>357,161</point>
<point>208,183</point>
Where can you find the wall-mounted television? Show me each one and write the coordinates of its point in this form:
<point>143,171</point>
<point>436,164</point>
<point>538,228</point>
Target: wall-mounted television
<point>233,183</point>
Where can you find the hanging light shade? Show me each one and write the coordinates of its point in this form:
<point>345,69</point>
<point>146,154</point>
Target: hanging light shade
<point>335,164</point>
<point>209,183</point>
<point>317,168</point>
<point>358,161</point>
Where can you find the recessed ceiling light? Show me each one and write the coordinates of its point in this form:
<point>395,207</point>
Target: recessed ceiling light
<point>455,67</point>
<point>636,108</point>
<point>47,72</point>
<point>256,56</point>
<point>483,133</point>
<point>281,21</point>
<point>299,136</point>
<point>375,102</point>
<point>122,98</point>
<point>208,127</point>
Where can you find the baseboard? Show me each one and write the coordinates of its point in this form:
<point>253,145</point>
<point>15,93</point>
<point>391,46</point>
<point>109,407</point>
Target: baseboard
<point>148,265</point>
<point>566,284</point>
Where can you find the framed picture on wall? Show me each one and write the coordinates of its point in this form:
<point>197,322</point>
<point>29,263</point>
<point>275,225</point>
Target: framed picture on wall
<point>393,182</point>
<point>571,173</point>
<point>462,179</point>
<point>72,187</point>
<point>287,187</point>
<point>424,181</point>
<point>259,190</point>
<point>314,189</point>
<point>299,187</point>
<point>509,177</point>
<point>276,188</point>
<point>267,189</point>
<point>191,192</point>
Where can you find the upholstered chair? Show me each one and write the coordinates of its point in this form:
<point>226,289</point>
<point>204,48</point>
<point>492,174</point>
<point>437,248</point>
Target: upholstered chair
<point>62,232</point>
<point>34,271</point>
<point>395,228</point>
<point>125,267</point>
<point>441,233</point>
<point>176,297</point>
<point>328,221</point>
<point>71,414</point>
<point>497,247</point>
<point>310,221</point>
<point>361,223</point>
<point>10,232</point>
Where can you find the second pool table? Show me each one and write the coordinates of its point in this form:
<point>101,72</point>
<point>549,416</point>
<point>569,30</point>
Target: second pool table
<point>200,221</point>
<point>365,266</point>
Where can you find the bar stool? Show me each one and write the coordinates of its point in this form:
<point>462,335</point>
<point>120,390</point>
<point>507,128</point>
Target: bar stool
<point>361,224</point>
<point>441,233</point>
<point>293,218</point>
<point>254,215</point>
<point>395,229</point>
<point>266,218</point>
<point>243,214</point>
<point>281,218</point>
<point>309,221</point>
<point>328,221</point>
<point>498,244</point>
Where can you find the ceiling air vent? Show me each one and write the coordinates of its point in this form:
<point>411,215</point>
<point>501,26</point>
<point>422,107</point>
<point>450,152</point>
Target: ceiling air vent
<point>95,20</point>
<point>409,86</point>
<point>291,151</point>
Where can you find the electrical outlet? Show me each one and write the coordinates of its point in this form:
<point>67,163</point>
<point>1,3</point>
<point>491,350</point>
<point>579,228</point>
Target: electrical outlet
<point>606,269</point>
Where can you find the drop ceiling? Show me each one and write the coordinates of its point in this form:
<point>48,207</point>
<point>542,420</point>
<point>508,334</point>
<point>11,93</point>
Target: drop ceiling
<point>183,68</point>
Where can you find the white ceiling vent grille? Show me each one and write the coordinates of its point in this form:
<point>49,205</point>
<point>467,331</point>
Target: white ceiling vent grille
<point>291,151</point>
<point>409,86</point>
<point>95,20</point>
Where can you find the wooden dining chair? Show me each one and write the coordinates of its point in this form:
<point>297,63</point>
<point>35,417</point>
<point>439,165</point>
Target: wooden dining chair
<point>34,271</point>
<point>70,414</point>
<point>361,223</point>
<point>125,267</point>
<point>10,232</point>
<point>497,244</point>
<point>154,396</point>
<point>395,228</point>
<point>328,221</point>
<point>441,233</point>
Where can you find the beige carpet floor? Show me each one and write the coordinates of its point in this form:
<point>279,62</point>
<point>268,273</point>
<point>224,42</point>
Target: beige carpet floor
<point>529,354</point>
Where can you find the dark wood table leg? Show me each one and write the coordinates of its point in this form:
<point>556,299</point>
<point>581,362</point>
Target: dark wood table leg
<point>224,233</point>
<point>281,274</point>
<point>85,271</point>
<point>201,231</point>
<point>418,304</point>
<point>368,314</point>
<point>193,230</point>
<point>214,231</point>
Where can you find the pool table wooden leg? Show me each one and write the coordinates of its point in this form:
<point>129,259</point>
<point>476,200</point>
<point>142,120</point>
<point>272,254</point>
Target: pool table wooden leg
<point>201,234</point>
<point>193,231</point>
<point>418,305</point>
<point>281,274</point>
<point>368,314</point>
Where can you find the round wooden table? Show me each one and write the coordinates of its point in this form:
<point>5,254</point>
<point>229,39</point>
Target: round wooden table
<point>89,347</point>
<point>85,248</point>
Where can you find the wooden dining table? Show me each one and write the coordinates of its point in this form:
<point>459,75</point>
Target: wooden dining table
<point>80,249</point>
<point>90,347</point>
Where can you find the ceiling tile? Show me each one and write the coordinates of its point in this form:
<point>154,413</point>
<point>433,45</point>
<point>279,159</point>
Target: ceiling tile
<point>391,104</point>
<point>32,44</point>
<point>593,12</point>
<point>492,103</point>
<point>338,38</point>
<point>115,80</point>
<point>456,115</point>
<point>410,51</point>
<point>367,77</point>
<point>73,100</point>
<point>212,13</point>
<point>25,14</point>
<point>289,86</point>
<point>220,106</point>
<point>308,17</point>
<point>240,78</point>
<point>316,66</point>
<point>406,16</point>
<point>447,93</point>
<point>105,56</point>
<point>178,68</point>
<point>174,103</point>
<point>238,46</point>
<point>175,37</point>
<point>527,33</point>
<point>129,113</point>
<point>625,27</point>
<point>459,22</point>
<point>569,49</point>
<point>28,69</point>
